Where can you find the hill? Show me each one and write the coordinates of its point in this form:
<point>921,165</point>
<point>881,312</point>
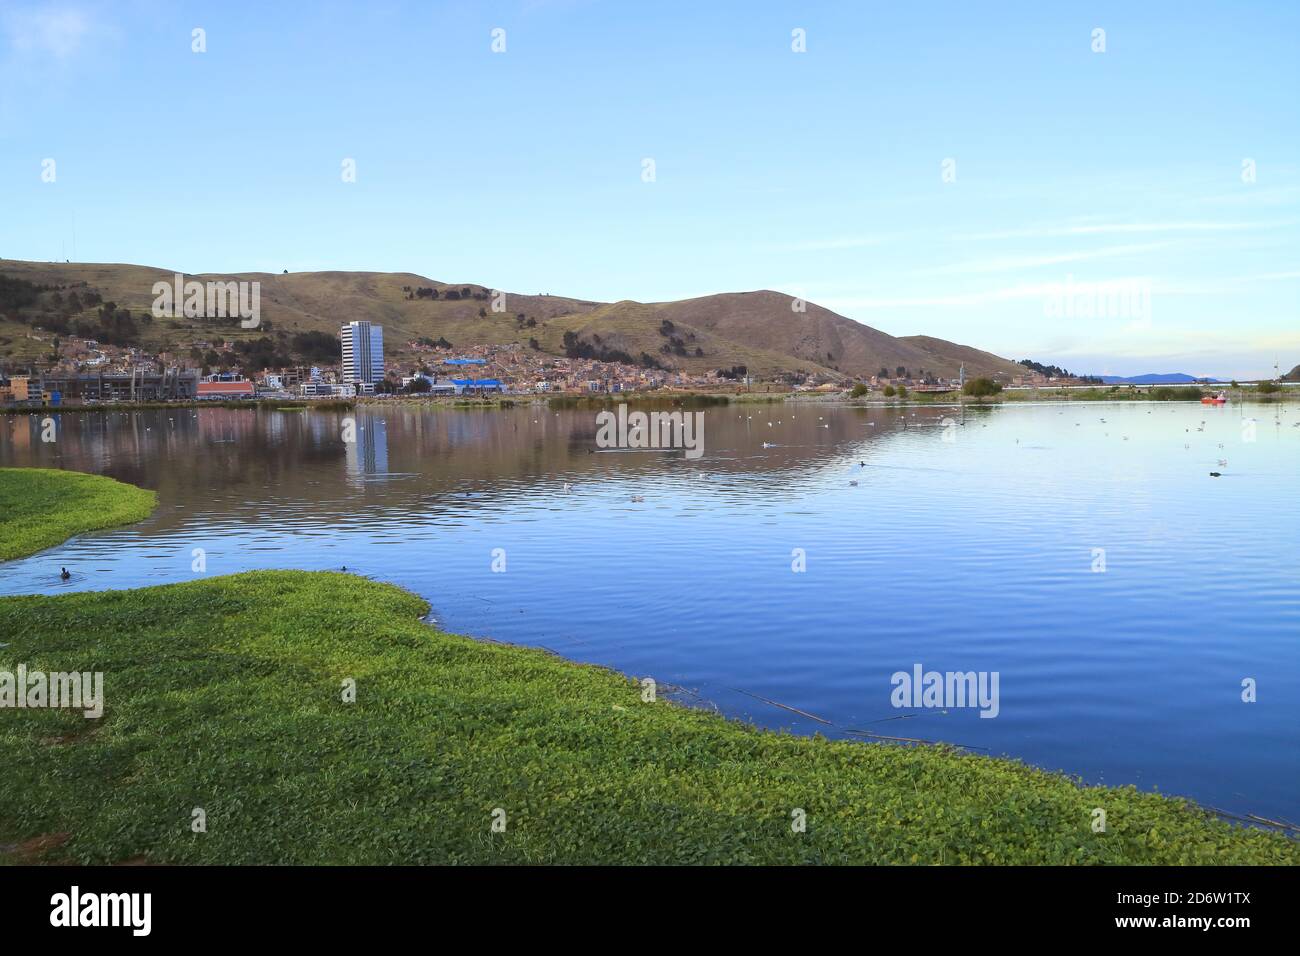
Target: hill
<point>1293,375</point>
<point>768,332</point>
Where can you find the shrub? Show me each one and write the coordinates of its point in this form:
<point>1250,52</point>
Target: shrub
<point>981,388</point>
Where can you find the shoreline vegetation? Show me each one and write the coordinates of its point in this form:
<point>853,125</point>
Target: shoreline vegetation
<point>704,399</point>
<point>445,735</point>
<point>448,733</point>
<point>43,507</point>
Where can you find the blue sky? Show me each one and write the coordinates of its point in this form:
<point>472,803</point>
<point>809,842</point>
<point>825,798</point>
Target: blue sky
<point>1076,177</point>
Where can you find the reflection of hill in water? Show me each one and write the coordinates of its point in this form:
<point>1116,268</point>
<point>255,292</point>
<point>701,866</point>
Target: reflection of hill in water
<point>213,459</point>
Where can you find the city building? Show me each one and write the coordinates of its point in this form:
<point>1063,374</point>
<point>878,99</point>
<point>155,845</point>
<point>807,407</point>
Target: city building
<point>137,385</point>
<point>436,386</point>
<point>363,352</point>
<point>335,389</point>
<point>226,389</point>
<point>23,388</point>
<point>472,386</point>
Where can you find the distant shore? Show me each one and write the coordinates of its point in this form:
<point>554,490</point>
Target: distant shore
<point>273,404</point>
<point>703,398</point>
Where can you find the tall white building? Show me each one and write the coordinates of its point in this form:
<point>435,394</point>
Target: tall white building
<point>363,352</point>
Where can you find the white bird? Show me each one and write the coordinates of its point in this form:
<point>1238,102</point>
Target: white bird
<point>638,498</point>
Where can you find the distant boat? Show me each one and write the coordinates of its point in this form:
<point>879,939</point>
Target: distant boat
<point>1220,399</point>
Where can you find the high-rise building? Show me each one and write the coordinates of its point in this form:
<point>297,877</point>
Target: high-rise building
<point>363,352</point>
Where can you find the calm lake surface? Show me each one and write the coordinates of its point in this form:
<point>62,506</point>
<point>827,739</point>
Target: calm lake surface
<point>962,547</point>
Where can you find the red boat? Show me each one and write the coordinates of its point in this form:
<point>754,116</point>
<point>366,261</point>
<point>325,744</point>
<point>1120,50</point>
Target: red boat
<point>1220,399</point>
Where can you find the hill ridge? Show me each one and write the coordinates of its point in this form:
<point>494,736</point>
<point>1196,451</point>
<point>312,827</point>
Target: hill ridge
<point>769,332</point>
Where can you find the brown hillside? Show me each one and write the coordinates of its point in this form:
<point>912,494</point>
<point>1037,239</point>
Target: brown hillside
<point>950,355</point>
<point>759,330</point>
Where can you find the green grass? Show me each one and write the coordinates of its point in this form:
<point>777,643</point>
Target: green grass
<point>42,507</point>
<point>225,694</point>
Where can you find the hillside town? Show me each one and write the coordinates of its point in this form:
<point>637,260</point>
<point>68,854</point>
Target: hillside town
<point>86,372</point>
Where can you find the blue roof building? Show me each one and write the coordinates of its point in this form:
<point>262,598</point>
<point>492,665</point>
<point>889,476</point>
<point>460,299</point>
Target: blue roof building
<point>480,385</point>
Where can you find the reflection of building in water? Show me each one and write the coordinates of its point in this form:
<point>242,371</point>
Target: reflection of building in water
<point>368,454</point>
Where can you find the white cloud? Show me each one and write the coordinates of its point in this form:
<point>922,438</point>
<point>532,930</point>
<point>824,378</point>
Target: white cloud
<point>823,245</point>
<point>1047,232</point>
<point>1014,263</point>
<point>1037,290</point>
<point>57,33</point>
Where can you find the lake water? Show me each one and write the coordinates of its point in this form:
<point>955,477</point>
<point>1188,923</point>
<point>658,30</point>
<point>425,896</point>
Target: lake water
<point>963,546</point>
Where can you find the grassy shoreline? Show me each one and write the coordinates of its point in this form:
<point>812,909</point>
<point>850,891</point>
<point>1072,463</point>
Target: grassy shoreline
<point>43,507</point>
<point>227,694</point>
